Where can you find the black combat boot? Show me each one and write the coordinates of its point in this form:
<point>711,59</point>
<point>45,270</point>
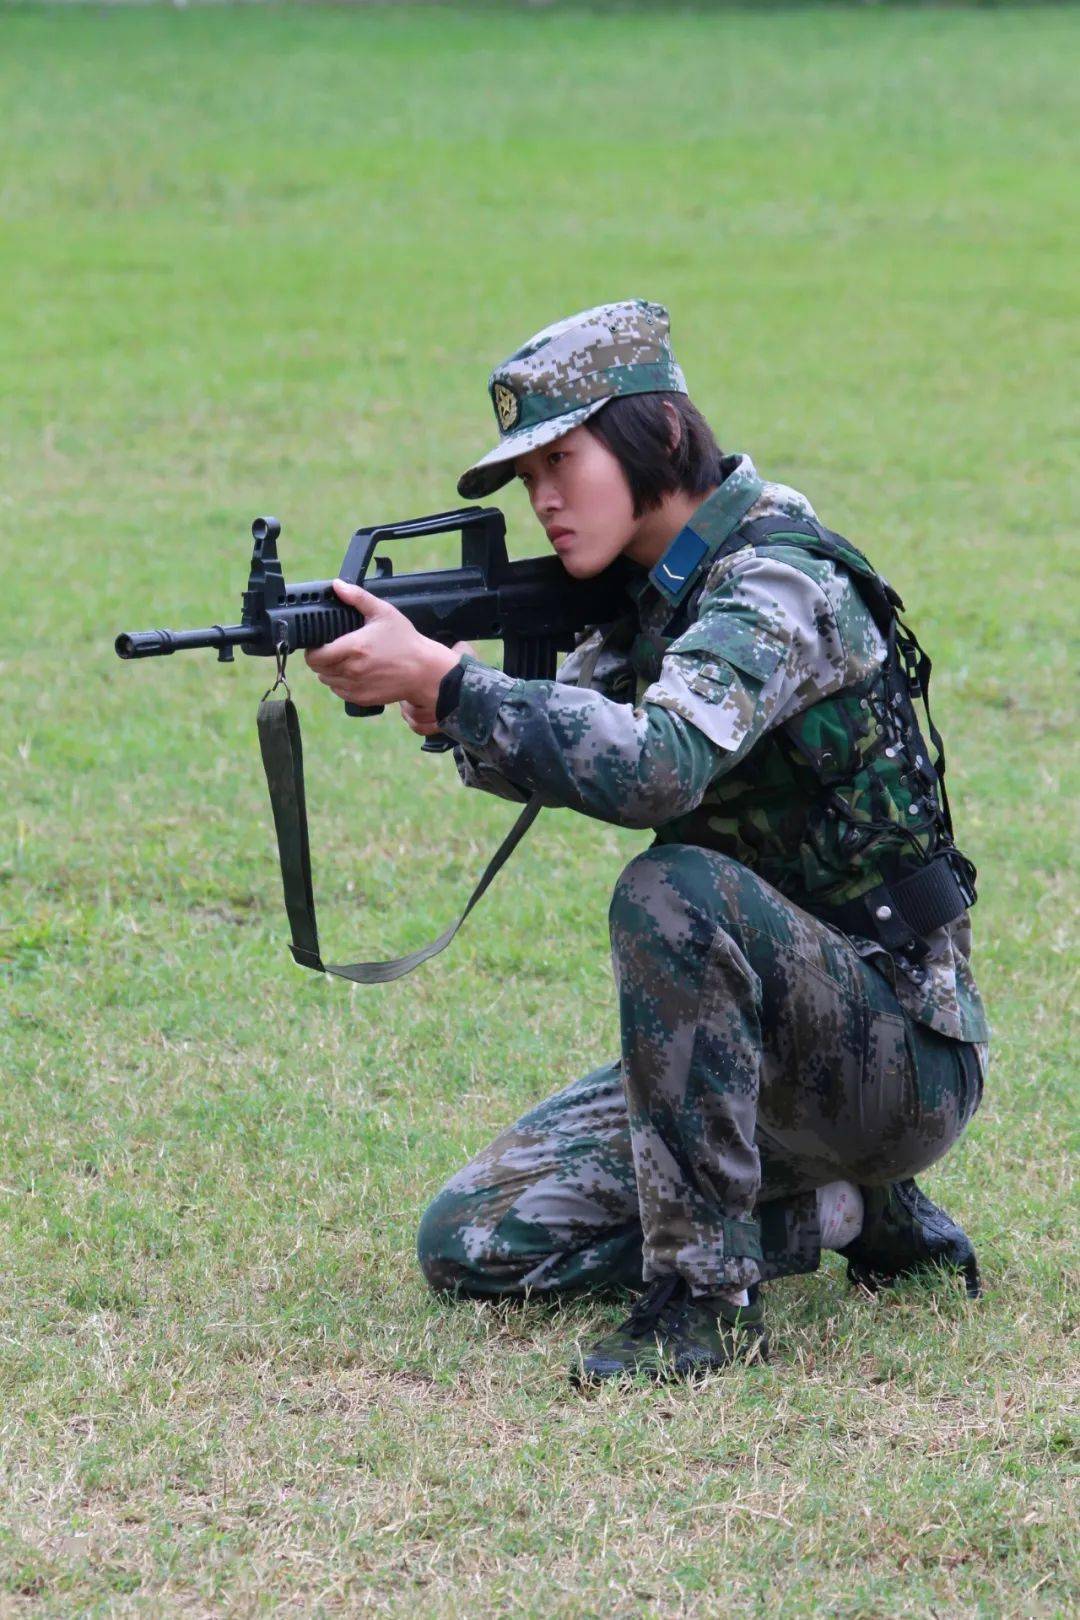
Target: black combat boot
<point>671,1334</point>
<point>903,1232</point>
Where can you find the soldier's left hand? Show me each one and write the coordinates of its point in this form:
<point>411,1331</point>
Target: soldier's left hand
<point>386,661</point>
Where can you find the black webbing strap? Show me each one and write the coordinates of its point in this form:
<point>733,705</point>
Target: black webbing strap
<point>933,896</point>
<point>283,762</point>
<point>905,911</point>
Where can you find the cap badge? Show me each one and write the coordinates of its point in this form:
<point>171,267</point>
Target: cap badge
<point>506,406</point>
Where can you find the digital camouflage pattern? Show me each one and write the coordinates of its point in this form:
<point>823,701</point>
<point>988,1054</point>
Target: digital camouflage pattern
<point>565,373</point>
<point>764,1054</point>
<point>762,1057</point>
<point>684,736</point>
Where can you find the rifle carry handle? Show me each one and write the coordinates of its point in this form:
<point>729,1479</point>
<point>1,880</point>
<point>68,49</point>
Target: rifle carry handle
<point>483,546</point>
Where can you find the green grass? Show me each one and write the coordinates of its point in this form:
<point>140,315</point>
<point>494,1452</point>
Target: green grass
<point>263,260</point>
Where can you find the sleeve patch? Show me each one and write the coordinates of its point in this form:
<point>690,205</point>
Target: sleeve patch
<point>711,680</point>
<point>731,640</point>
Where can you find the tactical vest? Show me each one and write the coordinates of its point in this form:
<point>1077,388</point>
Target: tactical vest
<point>842,808</point>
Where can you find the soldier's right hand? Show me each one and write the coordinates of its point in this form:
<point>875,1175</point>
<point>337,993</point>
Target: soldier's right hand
<point>423,721</point>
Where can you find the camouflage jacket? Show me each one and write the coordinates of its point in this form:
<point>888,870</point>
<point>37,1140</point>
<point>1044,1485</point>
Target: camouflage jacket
<point>645,731</point>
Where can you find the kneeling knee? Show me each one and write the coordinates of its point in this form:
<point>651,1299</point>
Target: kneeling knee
<point>439,1246</point>
<point>454,1257</point>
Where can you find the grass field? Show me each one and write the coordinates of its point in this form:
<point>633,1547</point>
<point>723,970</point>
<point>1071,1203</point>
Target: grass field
<point>262,259</point>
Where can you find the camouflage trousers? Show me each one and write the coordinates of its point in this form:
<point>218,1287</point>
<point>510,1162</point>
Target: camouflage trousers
<point>762,1058</point>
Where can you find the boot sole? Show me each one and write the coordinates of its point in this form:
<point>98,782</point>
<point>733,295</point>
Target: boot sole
<point>668,1372</point>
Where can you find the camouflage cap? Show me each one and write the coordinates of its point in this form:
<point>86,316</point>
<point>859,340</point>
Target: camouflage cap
<point>565,374</point>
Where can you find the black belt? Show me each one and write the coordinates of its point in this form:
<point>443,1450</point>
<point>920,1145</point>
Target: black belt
<point>899,915</point>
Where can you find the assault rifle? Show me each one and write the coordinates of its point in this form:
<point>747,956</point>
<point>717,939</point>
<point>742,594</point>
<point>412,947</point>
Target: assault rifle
<point>534,607</point>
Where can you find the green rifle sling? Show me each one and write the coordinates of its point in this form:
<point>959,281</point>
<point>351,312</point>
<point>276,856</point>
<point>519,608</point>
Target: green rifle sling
<point>283,762</point>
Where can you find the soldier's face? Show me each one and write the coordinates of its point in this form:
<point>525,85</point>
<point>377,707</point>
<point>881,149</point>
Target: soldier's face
<point>579,493</point>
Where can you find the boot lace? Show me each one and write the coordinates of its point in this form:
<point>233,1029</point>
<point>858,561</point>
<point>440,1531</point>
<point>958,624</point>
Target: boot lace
<point>661,1308</point>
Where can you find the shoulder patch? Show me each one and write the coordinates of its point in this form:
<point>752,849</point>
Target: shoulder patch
<point>730,638</point>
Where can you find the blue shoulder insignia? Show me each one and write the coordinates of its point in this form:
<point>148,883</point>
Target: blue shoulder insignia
<point>677,569</point>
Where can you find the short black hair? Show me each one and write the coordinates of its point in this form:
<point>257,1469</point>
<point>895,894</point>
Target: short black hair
<point>637,430</point>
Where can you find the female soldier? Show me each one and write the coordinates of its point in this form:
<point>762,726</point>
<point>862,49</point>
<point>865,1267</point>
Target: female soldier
<point>800,1029</point>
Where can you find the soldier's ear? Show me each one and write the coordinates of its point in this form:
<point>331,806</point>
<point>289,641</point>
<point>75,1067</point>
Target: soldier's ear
<point>674,427</point>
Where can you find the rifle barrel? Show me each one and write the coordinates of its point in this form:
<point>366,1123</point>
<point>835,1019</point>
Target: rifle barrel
<point>156,643</point>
